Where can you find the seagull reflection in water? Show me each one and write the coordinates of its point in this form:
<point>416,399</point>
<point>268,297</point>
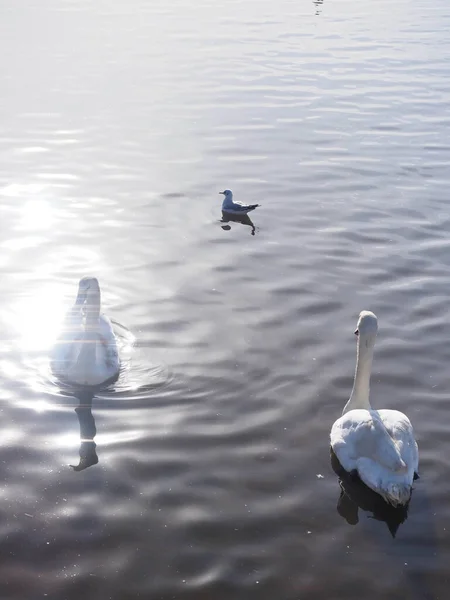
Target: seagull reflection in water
<point>356,495</point>
<point>318,4</point>
<point>88,430</point>
<point>233,218</point>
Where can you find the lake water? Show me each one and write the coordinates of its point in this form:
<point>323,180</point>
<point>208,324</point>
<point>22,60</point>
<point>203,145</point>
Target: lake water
<point>120,123</point>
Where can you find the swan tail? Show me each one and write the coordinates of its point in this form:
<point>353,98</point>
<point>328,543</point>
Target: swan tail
<point>398,494</point>
<point>394,488</point>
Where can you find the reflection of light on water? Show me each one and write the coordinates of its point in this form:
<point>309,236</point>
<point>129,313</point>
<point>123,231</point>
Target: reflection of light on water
<point>9,369</point>
<point>36,322</point>
<point>24,242</point>
<point>41,406</point>
<point>10,435</point>
<point>66,440</point>
<point>36,214</point>
<point>37,319</point>
<point>122,437</point>
<point>19,190</point>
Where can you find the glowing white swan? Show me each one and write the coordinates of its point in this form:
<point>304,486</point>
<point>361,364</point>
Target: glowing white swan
<point>377,444</point>
<point>86,351</point>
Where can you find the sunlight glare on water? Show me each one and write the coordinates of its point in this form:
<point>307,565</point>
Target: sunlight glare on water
<point>36,320</point>
<point>195,476</point>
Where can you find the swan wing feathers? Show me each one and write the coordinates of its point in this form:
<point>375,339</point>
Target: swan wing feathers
<point>108,340</point>
<point>106,329</point>
<point>400,429</point>
<point>361,433</point>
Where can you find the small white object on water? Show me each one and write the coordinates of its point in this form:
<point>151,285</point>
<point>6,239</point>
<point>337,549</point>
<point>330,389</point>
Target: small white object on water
<point>235,208</point>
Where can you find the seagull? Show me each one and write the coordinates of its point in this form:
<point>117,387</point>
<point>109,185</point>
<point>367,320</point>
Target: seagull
<point>235,208</point>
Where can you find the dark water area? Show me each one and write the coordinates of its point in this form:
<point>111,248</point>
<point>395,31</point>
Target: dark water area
<point>204,472</point>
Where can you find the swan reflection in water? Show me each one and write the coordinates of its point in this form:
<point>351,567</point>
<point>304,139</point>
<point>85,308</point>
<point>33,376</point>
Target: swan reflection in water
<point>356,495</point>
<point>243,219</point>
<point>88,430</point>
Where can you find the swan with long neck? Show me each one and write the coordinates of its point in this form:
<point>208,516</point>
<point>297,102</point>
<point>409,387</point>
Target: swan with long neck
<point>74,316</point>
<point>378,445</point>
<point>88,354</point>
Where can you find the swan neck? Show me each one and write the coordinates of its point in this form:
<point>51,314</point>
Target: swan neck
<point>80,299</point>
<point>359,397</point>
<point>92,308</point>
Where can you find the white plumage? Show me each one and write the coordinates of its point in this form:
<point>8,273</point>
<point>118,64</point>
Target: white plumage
<point>378,445</point>
<point>235,208</point>
<point>86,351</point>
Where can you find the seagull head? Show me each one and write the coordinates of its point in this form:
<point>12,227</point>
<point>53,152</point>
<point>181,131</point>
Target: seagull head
<point>228,194</point>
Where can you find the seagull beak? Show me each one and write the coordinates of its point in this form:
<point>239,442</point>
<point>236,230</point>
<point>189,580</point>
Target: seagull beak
<point>221,192</point>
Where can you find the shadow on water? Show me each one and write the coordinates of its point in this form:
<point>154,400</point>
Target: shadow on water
<point>232,218</point>
<point>88,430</point>
<point>415,560</point>
<point>356,495</point>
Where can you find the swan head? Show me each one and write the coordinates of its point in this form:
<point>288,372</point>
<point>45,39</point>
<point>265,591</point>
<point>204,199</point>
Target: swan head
<point>367,325</point>
<point>85,285</point>
<point>88,283</point>
<point>88,287</point>
<point>228,194</point>
<point>89,295</point>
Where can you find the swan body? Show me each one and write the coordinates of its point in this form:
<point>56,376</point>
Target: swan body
<point>73,321</point>
<point>378,445</point>
<point>86,352</point>
<point>235,208</point>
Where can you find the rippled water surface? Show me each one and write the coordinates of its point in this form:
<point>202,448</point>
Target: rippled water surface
<point>120,122</point>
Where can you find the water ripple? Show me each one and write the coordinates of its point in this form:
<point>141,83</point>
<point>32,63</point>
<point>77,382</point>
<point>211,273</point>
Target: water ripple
<point>204,472</point>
